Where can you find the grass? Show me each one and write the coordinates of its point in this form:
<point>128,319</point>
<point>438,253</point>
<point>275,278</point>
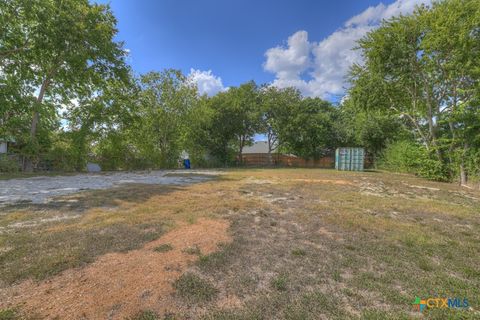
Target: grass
<point>280,283</point>
<point>8,314</point>
<point>145,315</point>
<point>163,248</point>
<point>193,250</point>
<point>299,252</point>
<point>194,289</point>
<point>307,243</point>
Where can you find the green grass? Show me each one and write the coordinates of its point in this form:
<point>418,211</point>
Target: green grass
<point>280,282</point>
<point>194,289</point>
<point>299,252</point>
<point>39,255</point>
<point>163,248</point>
<point>8,314</point>
<point>145,315</point>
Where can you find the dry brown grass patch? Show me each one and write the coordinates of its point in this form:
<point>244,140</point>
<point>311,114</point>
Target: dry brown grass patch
<point>119,284</point>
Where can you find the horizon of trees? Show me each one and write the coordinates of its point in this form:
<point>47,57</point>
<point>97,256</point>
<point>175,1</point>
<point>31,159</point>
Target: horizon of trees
<point>68,96</point>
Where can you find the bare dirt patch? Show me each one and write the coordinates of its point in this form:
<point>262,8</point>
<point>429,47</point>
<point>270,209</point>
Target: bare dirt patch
<point>117,285</point>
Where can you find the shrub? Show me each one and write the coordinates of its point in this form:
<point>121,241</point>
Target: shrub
<point>410,157</point>
<point>7,164</point>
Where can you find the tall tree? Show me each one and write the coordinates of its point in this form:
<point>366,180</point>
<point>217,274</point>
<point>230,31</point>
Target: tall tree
<point>277,107</point>
<point>68,51</point>
<point>424,67</point>
<point>308,130</point>
<point>164,103</point>
<point>244,103</point>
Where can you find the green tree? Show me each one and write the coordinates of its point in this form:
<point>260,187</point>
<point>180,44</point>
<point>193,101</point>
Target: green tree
<point>159,130</point>
<point>243,104</point>
<point>308,131</point>
<point>277,107</point>
<point>424,68</point>
<point>372,129</point>
<point>55,51</point>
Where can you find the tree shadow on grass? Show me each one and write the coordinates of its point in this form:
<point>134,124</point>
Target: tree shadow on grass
<point>102,198</point>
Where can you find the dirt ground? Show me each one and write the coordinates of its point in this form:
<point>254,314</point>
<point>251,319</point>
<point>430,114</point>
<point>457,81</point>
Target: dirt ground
<point>117,285</point>
<point>251,244</point>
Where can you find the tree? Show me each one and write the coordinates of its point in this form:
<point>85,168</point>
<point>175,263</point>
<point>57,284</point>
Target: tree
<point>243,103</point>
<point>424,68</point>
<point>164,103</point>
<point>308,130</point>
<point>53,52</point>
<point>372,129</point>
<point>277,107</point>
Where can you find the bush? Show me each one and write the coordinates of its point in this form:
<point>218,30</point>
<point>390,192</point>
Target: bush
<point>7,164</point>
<point>410,157</point>
<point>61,157</point>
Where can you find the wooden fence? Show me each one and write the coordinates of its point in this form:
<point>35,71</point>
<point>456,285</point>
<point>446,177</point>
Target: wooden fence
<point>282,160</point>
<point>263,159</point>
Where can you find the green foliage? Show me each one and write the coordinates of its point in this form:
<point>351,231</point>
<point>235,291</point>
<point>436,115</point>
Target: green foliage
<point>408,157</point>
<point>371,129</point>
<point>67,96</point>
<point>308,129</point>
<point>277,107</point>
<point>164,102</point>
<point>224,124</point>
<point>53,53</point>
<point>423,68</point>
<point>8,165</point>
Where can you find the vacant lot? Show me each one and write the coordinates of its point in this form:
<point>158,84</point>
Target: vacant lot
<point>249,244</point>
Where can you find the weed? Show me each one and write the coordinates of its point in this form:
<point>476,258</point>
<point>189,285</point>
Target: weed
<point>299,252</point>
<point>193,250</point>
<point>195,289</point>
<point>8,314</point>
<point>163,248</point>
<point>336,276</point>
<point>145,315</point>
<point>218,260</point>
<point>280,282</point>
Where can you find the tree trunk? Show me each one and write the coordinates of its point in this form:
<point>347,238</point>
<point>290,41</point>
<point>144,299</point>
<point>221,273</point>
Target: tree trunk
<point>463,175</point>
<point>240,149</point>
<point>28,167</point>
<point>269,138</point>
<point>433,131</point>
<point>463,171</point>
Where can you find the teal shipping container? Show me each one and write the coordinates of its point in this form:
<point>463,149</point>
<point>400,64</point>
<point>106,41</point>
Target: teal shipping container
<point>349,159</point>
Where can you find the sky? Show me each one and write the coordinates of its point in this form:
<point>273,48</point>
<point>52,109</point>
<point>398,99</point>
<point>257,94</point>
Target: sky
<point>222,43</point>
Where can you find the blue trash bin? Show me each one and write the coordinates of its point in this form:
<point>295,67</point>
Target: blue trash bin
<point>186,163</point>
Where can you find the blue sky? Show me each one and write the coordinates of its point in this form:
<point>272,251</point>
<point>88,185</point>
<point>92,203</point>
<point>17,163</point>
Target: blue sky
<point>301,43</point>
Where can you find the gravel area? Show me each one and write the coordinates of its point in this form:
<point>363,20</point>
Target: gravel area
<point>41,189</point>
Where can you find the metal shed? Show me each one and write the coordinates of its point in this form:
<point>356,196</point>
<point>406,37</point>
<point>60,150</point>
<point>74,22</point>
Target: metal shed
<point>350,159</point>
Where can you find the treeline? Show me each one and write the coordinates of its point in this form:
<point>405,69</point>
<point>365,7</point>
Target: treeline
<point>424,69</point>
<point>68,96</point>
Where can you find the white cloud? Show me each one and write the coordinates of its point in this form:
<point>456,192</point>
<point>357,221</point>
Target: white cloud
<point>290,62</point>
<point>206,81</point>
<point>327,62</point>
